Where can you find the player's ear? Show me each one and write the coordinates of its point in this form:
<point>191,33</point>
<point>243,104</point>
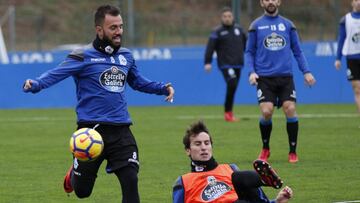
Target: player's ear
<point>99,31</point>
<point>187,151</point>
<point>261,3</point>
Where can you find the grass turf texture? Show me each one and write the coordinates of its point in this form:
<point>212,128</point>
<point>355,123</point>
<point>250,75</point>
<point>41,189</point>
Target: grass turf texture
<point>35,153</point>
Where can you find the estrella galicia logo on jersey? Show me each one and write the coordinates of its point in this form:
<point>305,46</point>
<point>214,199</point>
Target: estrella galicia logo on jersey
<point>356,37</point>
<point>214,189</point>
<point>113,79</point>
<point>274,42</point>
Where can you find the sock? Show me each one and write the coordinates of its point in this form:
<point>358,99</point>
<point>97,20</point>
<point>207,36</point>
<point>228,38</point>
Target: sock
<point>265,130</point>
<point>292,127</point>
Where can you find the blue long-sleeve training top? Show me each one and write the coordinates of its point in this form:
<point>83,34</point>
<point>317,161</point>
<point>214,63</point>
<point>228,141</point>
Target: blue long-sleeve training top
<point>272,42</point>
<point>100,81</point>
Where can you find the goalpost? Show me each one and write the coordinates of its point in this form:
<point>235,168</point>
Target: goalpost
<point>4,58</point>
<point>10,16</point>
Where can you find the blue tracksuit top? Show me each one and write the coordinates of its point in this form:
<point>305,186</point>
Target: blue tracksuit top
<point>100,81</point>
<point>272,40</point>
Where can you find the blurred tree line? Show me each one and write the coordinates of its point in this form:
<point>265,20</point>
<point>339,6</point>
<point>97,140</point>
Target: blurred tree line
<point>47,24</point>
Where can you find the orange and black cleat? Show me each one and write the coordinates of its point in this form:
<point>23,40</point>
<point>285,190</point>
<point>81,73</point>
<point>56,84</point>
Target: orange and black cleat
<point>67,181</point>
<point>267,174</point>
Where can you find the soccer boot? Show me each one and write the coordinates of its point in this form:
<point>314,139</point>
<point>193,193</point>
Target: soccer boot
<point>264,154</point>
<point>67,181</point>
<point>229,117</point>
<point>293,158</point>
<point>267,174</point>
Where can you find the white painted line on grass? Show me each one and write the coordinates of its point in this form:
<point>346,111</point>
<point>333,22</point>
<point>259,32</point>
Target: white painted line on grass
<point>184,117</point>
<point>334,115</point>
<point>32,119</point>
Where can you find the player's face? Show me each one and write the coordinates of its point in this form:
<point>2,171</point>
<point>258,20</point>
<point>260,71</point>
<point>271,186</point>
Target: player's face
<point>270,6</point>
<point>111,30</point>
<point>227,18</point>
<point>200,147</point>
<point>356,5</point>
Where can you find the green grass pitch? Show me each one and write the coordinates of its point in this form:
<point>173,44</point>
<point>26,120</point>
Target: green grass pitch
<point>34,154</point>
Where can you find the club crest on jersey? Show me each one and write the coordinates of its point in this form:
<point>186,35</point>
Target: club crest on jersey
<point>214,189</point>
<point>122,60</point>
<point>113,79</point>
<point>281,27</point>
<point>356,37</point>
<point>274,42</point>
<point>237,32</point>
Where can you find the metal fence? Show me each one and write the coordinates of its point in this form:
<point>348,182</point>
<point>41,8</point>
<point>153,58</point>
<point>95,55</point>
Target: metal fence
<point>47,24</point>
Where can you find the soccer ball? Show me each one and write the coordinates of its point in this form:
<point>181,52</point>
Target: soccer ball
<point>86,144</point>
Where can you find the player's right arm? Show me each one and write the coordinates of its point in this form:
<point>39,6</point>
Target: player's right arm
<point>210,48</point>
<point>341,40</point>
<point>250,52</point>
<point>70,66</point>
<point>178,191</point>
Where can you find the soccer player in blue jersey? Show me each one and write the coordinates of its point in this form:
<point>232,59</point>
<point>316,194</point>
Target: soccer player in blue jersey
<point>228,41</point>
<point>349,45</point>
<point>100,72</point>
<point>272,43</point>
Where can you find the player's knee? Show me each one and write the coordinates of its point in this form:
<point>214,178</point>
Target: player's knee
<point>128,176</point>
<point>357,91</point>
<point>232,85</point>
<point>267,113</point>
<point>82,193</point>
<point>289,109</point>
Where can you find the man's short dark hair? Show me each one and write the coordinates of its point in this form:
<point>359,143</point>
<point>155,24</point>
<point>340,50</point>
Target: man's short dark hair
<point>226,9</point>
<point>195,129</point>
<point>105,10</point>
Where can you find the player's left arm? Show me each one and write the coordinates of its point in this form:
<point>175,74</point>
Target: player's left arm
<point>300,57</point>
<point>143,84</point>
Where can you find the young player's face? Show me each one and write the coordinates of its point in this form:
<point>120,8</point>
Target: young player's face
<point>111,30</point>
<point>200,147</point>
<point>356,5</point>
<point>270,6</point>
<point>227,18</point>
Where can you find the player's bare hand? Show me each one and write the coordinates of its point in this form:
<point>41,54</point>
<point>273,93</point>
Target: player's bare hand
<point>170,97</point>
<point>284,195</point>
<point>253,79</point>
<point>337,64</point>
<point>27,84</point>
<point>309,79</point>
<point>207,67</point>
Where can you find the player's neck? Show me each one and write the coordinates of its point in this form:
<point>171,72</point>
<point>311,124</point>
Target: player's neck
<point>201,166</point>
<point>276,13</point>
<point>104,46</point>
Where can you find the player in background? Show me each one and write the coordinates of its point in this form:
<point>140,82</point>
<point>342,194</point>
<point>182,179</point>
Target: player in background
<point>272,42</point>
<point>209,181</point>
<point>228,41</point>
<point>101,71</point>
<point>349,46</point>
